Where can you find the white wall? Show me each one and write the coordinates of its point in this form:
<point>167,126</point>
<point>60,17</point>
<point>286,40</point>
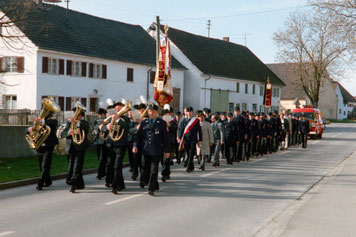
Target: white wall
<point>114,87</point>
<point>340,104</point>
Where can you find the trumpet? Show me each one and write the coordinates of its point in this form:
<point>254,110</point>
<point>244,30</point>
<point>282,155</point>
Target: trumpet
<point>115,133</point>
<point>40,131</point>
<point>79,135</point>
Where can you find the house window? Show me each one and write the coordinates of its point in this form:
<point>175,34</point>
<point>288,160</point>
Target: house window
<point>152,76</point>
<point>339,111</point>
<point>53,66</point>
<point>10,102</point>
<point>244,106</point>
<point>12,64</point>
<point>253,89</point>
<point>254,108</point>
<point>277,92</point>
<point>246,88</point>
<point>93,104</point>
<point>262,108</point>
<point>261,90</point>
<point>130,72</point>
<point>238,105</point>
<point>238,87</point>
<point>231,107</point>
<point>97,70</point>
<point>273,92</point>
<point>76,69</point>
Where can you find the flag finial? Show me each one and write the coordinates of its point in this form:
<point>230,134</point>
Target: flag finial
<point>166,28</point>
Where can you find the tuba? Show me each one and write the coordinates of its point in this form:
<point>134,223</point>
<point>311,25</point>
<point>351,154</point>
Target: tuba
<point>40,131</point>
<point>114,133</point>
<point>79,135</point>
<point>143,115</point>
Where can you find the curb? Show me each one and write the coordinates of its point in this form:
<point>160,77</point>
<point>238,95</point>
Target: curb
<point>23,182</point>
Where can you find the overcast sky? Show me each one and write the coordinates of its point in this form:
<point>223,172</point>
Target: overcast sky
<point>245,21</point>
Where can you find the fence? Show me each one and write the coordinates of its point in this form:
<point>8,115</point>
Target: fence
<point>23,117</point>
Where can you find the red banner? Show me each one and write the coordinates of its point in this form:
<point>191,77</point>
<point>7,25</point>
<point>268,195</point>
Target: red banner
<point>268,95</point>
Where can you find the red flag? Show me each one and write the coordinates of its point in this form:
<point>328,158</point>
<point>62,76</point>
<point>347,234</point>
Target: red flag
<point>163,82</point>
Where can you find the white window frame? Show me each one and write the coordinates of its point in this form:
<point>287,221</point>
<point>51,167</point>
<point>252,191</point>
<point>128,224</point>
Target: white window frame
<point>254,108</point>
<point>53,66</point>
<point>9,64</point>
<point>12,104</point>
<point>76,68</point>
<point>242,106</point>
<point>98,71</point>
<point>261,90</point>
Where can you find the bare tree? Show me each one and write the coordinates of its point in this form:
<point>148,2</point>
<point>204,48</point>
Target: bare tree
<point>315,44</point>
<point>343,8</point>
<point>13,12</point>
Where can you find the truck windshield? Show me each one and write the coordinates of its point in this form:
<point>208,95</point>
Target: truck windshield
<point>307,115</point>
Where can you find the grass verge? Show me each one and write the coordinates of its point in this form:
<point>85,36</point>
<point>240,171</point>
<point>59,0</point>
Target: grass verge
<point>342,121</point>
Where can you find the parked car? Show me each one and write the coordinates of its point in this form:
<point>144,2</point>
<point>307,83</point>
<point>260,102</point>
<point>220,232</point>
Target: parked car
<point>315,120</point>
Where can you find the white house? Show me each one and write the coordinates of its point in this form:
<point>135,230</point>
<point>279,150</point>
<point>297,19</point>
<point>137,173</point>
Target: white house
<point>89,59</point>
<point>221,74</point>
<point>346,102</point>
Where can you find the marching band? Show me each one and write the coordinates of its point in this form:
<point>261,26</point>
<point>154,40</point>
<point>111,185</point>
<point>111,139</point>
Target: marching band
<point>150,140</point>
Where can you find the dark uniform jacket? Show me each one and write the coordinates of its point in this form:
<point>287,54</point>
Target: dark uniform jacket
<point>240,127</point>
<point>98,140</point>
<point>194,135</point>
<point>304,126</point>
<point>255,130</point>
<point>248,128</point>
<point>153,140</point>
<point>218,132</point>
<point>83,125</point>
<point>230,132</point>
<point>172,130</point>
<point>124,123</point>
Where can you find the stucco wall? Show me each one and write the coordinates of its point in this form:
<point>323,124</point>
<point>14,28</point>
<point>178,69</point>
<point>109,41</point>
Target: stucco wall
<point>327,100</point>
<point>13,142</point>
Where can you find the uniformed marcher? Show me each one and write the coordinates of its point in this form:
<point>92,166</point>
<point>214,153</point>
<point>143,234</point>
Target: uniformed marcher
<point>203,149</point>
<point>255,134</point>
<point>230,138</point>
<point>153,139</point>
<point>76,151</point>
<point>241,134</point>
<point>117,149</point>
<point>304,130</point>
<point>219,137</point>
<point>101,149</point>
<point>189,134</point>
<point>44,152</point>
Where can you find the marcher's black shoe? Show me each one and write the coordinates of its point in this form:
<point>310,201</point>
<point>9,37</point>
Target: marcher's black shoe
<point>72,189</point>
<point>215,165</point>
<point>142,184</point>
<point>133,177</point>
<point>114,191</point>
<point>151,193</point>
<point>107,185</point>
<point>39,187</point>
<point>164,179</point>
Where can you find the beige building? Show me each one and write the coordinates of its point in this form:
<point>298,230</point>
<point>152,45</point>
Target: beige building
<point>293,95</point>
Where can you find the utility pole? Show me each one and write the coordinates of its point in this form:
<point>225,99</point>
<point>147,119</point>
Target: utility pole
<point>209,26</point>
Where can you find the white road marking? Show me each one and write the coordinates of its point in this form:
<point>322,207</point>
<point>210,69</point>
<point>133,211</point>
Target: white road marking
<point>254,161</point>
<point>218,171</point>
<point>123,199</point>
<point>6,233</point>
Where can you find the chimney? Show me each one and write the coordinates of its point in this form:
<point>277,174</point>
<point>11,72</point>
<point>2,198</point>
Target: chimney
<point>227,39</point>
<point>39,2</point>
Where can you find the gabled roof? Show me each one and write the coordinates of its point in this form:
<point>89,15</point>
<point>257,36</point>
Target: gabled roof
<point>221,58</point>
<point>293,88</point>
<point>86,35</point>
<point>347,97</point>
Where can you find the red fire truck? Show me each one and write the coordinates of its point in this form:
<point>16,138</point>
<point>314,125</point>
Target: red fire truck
<point>315,121</point>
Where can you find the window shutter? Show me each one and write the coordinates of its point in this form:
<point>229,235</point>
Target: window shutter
<point>61,66</point>
<point>68,103</point>
<point>61,102</point>
<point>44,64</point>
<point>91,70</point>
<point>84,102</point>
<point>69,67</point>
<point>84,69</point>
<point>104,71</point>
<point>20,64</point>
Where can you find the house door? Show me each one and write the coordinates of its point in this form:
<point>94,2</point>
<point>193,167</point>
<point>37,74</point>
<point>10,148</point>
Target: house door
<point>93,106</point>
<point>219,101</point>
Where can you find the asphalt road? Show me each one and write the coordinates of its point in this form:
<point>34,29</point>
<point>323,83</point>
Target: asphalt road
<point>236,200</point>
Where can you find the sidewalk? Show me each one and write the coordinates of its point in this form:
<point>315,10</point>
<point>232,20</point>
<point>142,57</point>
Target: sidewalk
<point>331,207</point>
